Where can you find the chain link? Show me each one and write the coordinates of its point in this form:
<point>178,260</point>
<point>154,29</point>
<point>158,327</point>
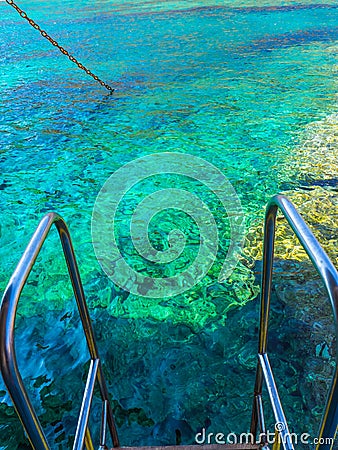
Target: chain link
<point>52,41</point>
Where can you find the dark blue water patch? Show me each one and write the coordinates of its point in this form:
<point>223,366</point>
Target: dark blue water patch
<point>284,8</point>
<point>225,9</point>
<point>292,39</point>
<point>4,185</point>
<point>311,184</point>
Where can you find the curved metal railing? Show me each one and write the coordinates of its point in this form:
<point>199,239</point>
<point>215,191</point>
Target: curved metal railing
<point>14,383</point>
<point>8,363</point>
<point>329,275</point>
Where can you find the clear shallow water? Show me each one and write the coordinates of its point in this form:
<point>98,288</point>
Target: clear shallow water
<point>236,85</point>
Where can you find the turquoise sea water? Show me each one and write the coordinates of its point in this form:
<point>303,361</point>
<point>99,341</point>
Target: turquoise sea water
<point>231,82</point>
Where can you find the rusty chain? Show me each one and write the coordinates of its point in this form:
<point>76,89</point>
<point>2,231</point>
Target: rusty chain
<point>52,41</point>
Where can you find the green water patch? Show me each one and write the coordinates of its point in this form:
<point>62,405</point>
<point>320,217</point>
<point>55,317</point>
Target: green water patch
<point>238,99</point>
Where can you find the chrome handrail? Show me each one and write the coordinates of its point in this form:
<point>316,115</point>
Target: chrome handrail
<point>8,308</point>
<point>329,275</point>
